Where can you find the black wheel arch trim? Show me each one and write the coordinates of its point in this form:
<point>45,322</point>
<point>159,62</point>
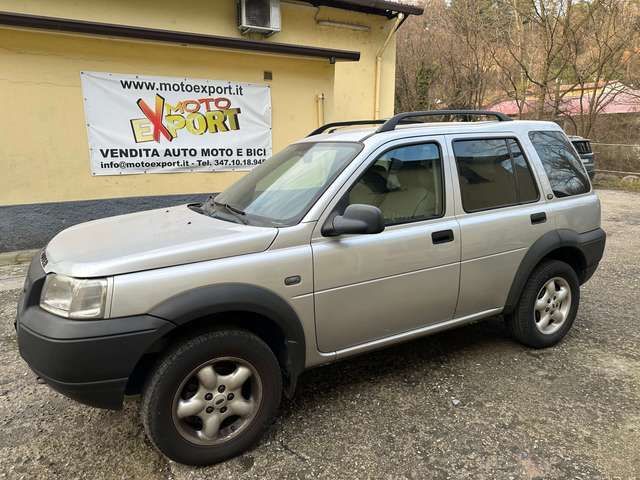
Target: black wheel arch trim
<point>590,245</point>
<point>211,300</point>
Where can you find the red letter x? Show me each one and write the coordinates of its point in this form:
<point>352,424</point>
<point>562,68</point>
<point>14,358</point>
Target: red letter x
<point>155,118</point>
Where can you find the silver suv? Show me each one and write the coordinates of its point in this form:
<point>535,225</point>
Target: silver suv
<point>349,240</point>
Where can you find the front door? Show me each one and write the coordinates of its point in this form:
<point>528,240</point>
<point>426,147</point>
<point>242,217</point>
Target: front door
<point>368,287</point>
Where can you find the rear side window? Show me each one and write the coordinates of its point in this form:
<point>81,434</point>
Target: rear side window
<point>493,173</point>
<point>564,169</point>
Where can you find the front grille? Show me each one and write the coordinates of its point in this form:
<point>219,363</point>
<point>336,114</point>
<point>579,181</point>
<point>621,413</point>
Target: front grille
<point>43,259</point>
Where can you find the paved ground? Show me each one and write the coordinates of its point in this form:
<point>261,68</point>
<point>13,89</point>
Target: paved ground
<point>568,412</point>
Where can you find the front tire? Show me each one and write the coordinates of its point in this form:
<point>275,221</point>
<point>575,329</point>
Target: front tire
<point>548,305</point>
<point>211,397</point>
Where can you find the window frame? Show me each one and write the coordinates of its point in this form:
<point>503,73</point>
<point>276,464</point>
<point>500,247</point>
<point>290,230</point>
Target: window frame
<point>395,147</point>
<point>526,159</point>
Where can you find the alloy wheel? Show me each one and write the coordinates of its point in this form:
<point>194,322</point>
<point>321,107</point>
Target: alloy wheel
<point>217,400</point>
<point>552,305</point>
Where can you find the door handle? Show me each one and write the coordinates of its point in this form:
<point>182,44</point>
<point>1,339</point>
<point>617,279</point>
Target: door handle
<point>540,217</point>
<point>443,236</point>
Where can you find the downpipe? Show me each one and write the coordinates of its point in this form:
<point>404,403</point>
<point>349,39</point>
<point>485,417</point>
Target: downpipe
<point>378,73</point>
<point>320,109</point>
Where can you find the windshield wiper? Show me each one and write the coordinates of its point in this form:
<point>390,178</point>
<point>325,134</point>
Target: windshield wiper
<point>234,209</point>
<point>238,213</point>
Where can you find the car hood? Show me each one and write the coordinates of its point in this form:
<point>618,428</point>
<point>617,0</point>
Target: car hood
<point>148,240</point>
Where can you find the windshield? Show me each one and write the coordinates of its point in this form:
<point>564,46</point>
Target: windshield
<point>281,190</point>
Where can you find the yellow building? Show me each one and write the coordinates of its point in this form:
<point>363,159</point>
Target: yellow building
<point>322,61</point>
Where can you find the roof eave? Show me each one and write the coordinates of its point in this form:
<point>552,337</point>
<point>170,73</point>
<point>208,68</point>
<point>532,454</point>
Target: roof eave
<point>68,25</point>
<point>376,7</point>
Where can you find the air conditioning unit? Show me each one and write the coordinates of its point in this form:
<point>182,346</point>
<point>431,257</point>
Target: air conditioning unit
<point>261,16</point>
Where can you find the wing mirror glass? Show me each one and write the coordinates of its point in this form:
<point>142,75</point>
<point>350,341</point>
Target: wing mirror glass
<point>357,219</point>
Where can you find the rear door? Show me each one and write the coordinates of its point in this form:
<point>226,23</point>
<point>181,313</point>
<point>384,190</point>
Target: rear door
<point>369,287</point>
<point>501,211</point>
<point>573,203</point>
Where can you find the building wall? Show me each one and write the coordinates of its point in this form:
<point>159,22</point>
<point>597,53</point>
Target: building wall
<point>354,81</point>
<point>43,139</point>
<point>47,156</point>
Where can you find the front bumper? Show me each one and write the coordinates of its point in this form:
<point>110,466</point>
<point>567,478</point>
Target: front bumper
<point>88,361</point>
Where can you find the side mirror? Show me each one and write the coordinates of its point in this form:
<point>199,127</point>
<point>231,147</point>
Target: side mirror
<point>357,219</point>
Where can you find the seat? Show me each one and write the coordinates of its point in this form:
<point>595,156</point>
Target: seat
<point>371,188</point>
<point>413,194</point>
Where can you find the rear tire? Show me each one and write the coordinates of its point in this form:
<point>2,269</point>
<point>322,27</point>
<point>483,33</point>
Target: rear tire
<point>547,307</point>
<point>211,397</point>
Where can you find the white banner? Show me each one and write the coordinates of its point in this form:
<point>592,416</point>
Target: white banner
<point>141,124</point>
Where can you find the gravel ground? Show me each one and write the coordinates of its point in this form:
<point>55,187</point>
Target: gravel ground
<point>468,403</point>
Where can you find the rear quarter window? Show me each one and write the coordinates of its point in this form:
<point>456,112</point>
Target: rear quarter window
<point>562,165</point>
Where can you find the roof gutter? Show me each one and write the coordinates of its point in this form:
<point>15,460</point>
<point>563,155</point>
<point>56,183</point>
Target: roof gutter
<point>170,36</point>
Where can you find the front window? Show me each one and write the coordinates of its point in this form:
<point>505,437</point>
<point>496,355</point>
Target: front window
<point>405,183</point>
<point>281,190</point>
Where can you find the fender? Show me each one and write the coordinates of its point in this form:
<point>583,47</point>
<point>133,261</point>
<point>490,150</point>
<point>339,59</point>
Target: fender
<point>590,245</point>
<point>209,300</point>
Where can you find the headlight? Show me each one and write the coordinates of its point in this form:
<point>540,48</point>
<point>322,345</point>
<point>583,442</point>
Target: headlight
<point>73,297</point>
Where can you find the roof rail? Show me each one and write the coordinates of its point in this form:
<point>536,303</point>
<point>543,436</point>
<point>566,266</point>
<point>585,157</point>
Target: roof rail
<point>329,126</point>
<point>394,121</point>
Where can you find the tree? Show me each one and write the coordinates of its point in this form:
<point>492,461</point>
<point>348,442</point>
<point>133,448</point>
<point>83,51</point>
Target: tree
<point>444,57</point>
<point>512,80</point>
<point>535,41</point>
<point>554,58</point>
<point>599,59</point>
